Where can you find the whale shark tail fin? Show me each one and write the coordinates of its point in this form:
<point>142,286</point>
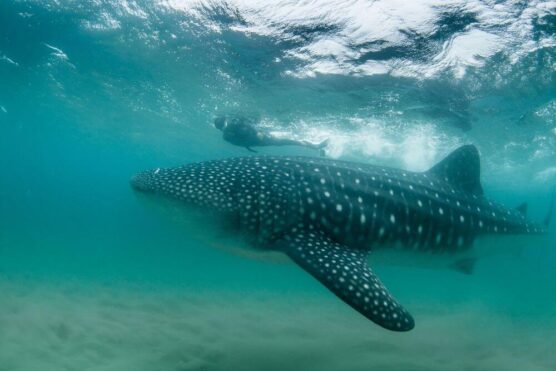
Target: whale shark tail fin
<point>550,208</point>
<point>345,272</point>
<point>461,168</point>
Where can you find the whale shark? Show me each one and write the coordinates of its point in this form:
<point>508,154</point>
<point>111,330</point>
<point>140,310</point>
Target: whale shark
<point>329,215</point>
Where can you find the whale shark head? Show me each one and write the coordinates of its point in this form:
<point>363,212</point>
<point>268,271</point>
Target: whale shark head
<point>206,184</point>
<point>146,181</point>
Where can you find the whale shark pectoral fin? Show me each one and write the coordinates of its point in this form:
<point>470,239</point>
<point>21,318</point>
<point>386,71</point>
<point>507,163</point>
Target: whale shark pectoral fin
<point>345,272</point>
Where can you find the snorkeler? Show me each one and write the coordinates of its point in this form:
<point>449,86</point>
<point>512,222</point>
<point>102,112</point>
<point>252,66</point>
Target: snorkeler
<point>241,132</point>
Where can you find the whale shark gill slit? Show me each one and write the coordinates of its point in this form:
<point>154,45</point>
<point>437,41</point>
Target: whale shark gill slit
<point>345,272</point>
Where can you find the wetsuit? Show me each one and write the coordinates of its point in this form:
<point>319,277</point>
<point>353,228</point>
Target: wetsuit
<point>241,132</point>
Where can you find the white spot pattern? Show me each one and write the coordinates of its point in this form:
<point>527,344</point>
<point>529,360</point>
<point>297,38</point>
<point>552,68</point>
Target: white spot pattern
<point>361,205</point>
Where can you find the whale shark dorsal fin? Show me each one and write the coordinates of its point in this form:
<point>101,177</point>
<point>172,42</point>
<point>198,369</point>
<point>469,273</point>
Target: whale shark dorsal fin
<point>462,168</point>
<point>522,208</point>
<point>345,272</point>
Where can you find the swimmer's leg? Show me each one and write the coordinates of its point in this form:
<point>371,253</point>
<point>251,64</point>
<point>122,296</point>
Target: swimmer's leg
<point>273,141</point>
<point>268,140</point>
<point>322,145</point>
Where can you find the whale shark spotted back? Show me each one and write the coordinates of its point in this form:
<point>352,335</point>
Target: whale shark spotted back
<point>327,215</point>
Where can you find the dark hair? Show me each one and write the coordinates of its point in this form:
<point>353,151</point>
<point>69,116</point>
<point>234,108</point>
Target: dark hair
<point>220,122</point>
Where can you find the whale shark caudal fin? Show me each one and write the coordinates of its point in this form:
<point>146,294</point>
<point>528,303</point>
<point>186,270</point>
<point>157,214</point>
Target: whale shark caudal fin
<point>550,208</point>
<point>345,272</point>
<point>462,168</point>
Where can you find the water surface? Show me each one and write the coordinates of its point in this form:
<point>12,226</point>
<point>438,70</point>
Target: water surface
<point>93,91</point>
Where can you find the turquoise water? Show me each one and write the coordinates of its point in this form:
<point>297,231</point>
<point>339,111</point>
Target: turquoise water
<point>94,277</point>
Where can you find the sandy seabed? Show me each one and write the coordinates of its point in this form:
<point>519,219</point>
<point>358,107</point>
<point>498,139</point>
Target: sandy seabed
<point>79,326</point>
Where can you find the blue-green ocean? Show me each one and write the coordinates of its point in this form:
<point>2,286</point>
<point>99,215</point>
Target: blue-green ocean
<point>93,277</point>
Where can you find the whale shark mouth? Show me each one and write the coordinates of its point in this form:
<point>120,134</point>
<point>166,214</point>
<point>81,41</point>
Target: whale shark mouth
<point>144,181</point>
